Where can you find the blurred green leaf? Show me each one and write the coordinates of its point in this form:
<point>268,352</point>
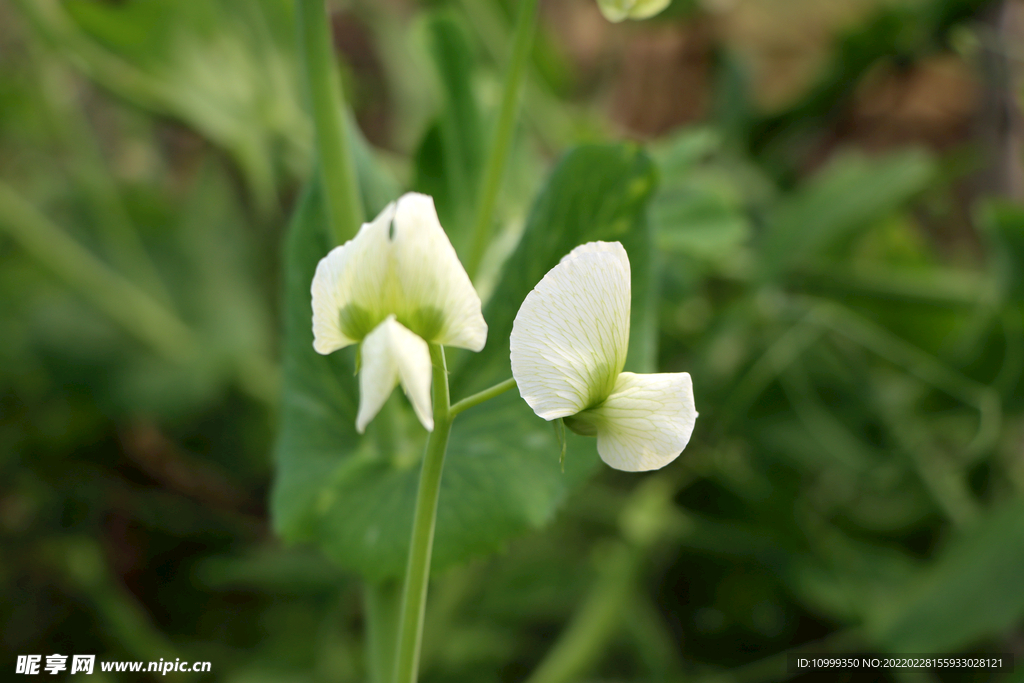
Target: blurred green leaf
<point>847,578</point>
<point>1004,222</point>
<point>852,192</point>
<point>699,209</point>
<point>355,496</point>
<point>272,570</point>
<point>226,68</point>
<point>685,150</point>
<point>219,283</point>
<point>972,590</point>
<point>697,220</point>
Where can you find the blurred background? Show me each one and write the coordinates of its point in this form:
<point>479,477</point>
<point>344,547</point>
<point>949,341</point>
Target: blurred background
<point>841,269</point>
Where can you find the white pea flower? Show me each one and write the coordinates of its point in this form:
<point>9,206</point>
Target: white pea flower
<point>397,285</point>
<point>568,348</point>
<point>620,10</point>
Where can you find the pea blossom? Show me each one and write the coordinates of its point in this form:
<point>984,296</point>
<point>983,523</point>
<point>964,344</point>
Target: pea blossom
<point>395,287</point>
<point>620,10</point>
<point>568,348</point>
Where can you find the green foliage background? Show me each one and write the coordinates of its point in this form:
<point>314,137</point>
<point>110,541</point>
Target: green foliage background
<point>180,474</point>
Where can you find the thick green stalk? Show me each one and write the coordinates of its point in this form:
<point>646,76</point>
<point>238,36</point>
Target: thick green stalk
<point>578,648</point>
<point>646,518</point>
<point>382,602</point>
<point>327,103</point>
<point>417,573</point>
<point>503,133</point>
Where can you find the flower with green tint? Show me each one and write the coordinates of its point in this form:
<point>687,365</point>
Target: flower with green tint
<point>394,288</point>
<point>568,348</point>
<point>620,10</point>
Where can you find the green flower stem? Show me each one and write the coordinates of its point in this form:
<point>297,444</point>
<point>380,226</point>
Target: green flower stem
<point>417,573</point>
<point>503,132</point>
<point>481,396</point>
<point>337,166</point>
<point>551,122</point>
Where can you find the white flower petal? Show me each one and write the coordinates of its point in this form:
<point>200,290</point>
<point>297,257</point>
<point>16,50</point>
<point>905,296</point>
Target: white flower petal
<point>352,287</point>
<point>642,9</point>
<point>570,337</point>
<point>646,422</point>
<point>401,263</point>
<point>615,10</point>
<point>620,10</point>
<point>438,301</point>
<point>391,353</point>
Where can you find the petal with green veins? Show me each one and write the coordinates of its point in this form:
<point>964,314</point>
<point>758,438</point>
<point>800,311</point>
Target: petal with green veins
<point>570,337</point>
<point>646,422</point>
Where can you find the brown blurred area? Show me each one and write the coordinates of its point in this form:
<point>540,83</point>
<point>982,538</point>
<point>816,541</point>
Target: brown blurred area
<point>655,76</point>
<point>662,74</point>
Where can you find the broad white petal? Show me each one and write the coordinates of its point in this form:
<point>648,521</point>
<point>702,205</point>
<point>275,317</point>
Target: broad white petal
<point>438,301</point>
<point>570,337</point>
<point>391,353</point>
<point>642,9</point>
<point>646,422</point>
<point>352,288</point>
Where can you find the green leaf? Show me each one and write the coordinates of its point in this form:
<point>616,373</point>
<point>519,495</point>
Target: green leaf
<point>973,590</point>
<point>851,193</point>
<point>320,392</point>
<point>354,496</point>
